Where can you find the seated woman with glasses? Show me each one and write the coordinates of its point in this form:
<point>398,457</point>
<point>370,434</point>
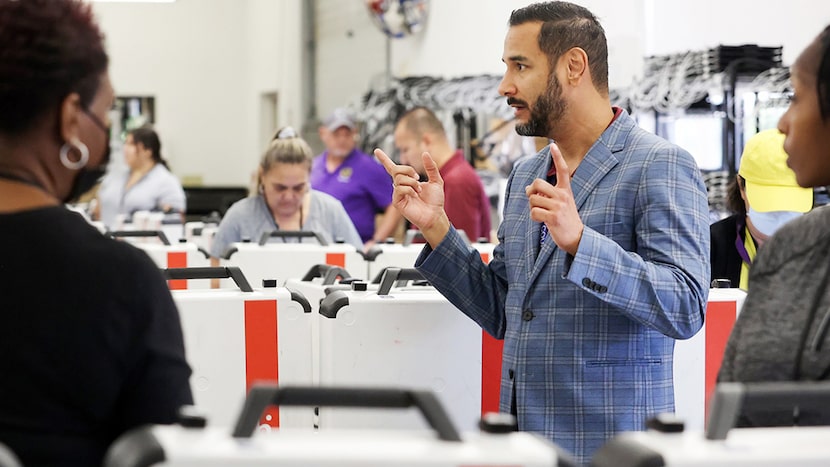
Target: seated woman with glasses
<point>284,201</point>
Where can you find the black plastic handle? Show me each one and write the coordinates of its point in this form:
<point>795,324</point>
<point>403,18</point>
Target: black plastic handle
<point>140,233</point>
<point>210,273</point>
<point>328,272</point>
<point>413,234</point>
<point>372,253</point>
<point>733,400</point>
<point>262,395</point>
<point>399,276</point>
<point>292,234</point>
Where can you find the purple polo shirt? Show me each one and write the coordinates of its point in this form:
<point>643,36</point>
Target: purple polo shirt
<point>360,183</point>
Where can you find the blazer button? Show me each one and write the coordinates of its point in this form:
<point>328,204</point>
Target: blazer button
<point>527,315</point>
<point>602,289</point>
<point>587,282</point>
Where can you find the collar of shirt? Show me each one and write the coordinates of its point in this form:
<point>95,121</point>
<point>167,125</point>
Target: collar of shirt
<point>551,175</point>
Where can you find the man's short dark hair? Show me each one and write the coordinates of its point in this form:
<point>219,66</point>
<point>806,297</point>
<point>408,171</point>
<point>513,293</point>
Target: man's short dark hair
<point>564,27</point>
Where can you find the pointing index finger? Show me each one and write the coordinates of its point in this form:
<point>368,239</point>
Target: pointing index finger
<point>563,174</point>
<point>431,168</point>
<point>388,164</point>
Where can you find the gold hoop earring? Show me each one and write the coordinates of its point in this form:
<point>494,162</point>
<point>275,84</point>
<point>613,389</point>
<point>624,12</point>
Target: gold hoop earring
<point>82,150</point>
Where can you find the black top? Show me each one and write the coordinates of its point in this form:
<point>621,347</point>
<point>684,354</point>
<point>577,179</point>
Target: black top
<point>90,340</point>
<point>726,262</point>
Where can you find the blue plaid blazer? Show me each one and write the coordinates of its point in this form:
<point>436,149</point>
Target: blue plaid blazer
<point>589,339</point>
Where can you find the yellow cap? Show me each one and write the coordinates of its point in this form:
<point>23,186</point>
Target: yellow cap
<point>770,183</point>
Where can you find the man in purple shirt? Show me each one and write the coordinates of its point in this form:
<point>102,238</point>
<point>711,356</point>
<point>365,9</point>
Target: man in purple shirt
<point>355,178</point>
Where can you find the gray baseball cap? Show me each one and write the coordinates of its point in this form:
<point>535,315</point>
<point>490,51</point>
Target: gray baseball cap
<point>339,118</point>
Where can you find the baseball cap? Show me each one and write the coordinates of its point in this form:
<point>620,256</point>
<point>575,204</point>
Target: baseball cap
<point>340,117</point>
<point>770,183</point>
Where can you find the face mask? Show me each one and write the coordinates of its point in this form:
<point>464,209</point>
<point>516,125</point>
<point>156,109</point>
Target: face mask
<point>769,222</point>
<point>87,178</point>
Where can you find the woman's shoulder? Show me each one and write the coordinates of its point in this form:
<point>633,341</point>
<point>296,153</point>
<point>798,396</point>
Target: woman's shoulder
<point>324,201</point>
<point>161,172</point>
<point>87,242</point>
<point>244,207</point>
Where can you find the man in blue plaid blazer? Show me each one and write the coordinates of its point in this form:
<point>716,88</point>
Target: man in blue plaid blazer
<point>603,255</point>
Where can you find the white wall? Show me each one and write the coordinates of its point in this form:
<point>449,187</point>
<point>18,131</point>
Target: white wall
<point>351,53</point>
<point>206,62</point>
<point>464,37</point>
<point>685,25</point>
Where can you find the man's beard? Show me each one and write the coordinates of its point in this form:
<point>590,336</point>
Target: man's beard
<point>546,112</point>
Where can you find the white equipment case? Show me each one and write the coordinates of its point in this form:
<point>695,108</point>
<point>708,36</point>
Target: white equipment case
<point>495,446</point>
<point>697,360</point>
<point>403,255</point>
<point>282,261</point>
<point>166,255</point>
<point>410,336</point>
<point>668,444</point>
<point>234,338</point>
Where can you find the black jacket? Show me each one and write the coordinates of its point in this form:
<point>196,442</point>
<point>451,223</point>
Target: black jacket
<point>726,262</point>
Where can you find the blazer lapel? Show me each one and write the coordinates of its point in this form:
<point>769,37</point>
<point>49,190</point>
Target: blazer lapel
<point>533,229</point>
<point>593,168</point>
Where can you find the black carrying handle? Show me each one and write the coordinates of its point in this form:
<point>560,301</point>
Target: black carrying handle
<point>210,273</point>
<point>140,233</point>
<point>412,234</point>
<point>731,400</point>
<point>262,395</point>
<point>263,239</point>
<point>399,275</point>
<point>328,272</point>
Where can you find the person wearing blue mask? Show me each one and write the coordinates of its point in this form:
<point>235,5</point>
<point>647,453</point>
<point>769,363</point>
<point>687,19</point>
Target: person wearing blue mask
<point>764,196</point>
<point>782,333</point>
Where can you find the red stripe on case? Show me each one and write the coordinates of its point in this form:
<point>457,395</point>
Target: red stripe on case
<point>336,259</point>
<point>720,318</point>
<point>177,259</point>
<point>491,352</point>
<point>261,359</point>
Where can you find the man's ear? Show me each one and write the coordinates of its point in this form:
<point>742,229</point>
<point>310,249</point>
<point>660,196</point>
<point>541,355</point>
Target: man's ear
<point>427,139</point>
<point>69,117</point>
<point>576,63</point>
